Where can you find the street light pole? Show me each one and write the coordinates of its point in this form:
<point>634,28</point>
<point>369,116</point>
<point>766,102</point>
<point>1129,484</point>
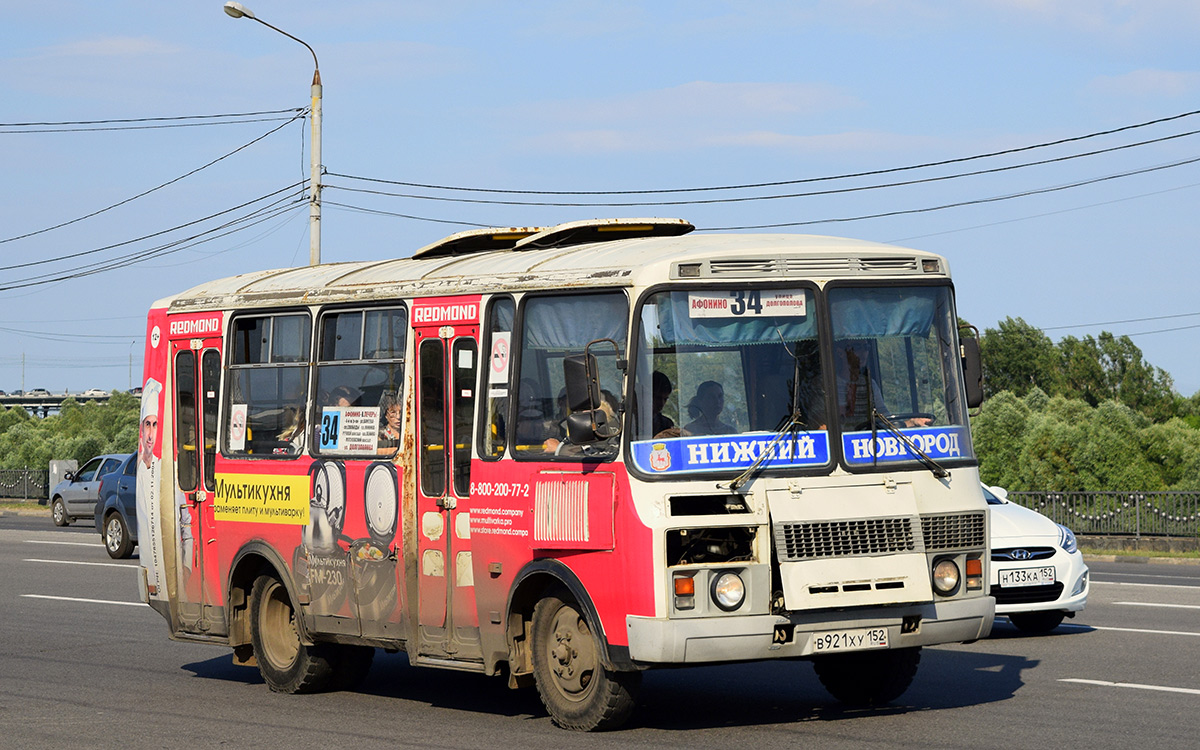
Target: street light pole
<point>237,10</point>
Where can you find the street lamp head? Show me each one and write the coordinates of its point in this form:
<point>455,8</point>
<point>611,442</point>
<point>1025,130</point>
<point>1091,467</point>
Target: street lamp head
<point>237,10</point>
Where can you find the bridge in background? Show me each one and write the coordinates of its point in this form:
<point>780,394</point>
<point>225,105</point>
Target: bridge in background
<point>48,403</point>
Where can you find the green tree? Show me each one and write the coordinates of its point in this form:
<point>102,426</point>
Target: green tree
<point>1016,357</point>
<point>78,431</point>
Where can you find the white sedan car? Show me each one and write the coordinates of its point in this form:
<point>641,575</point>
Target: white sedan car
<point>1037,574</point>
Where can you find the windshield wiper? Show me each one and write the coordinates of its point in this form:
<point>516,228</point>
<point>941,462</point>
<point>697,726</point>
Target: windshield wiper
<point>938,470</point>
<point>793,425</point>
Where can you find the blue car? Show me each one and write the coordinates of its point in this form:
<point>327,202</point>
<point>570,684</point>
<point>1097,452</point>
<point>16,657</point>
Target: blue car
<point>116,510</point>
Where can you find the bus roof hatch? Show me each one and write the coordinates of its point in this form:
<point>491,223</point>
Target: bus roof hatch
<point>476,241</point>
<point>603,230</point>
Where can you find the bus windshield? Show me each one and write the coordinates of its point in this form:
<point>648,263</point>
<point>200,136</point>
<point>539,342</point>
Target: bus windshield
<point>895,356</point>
<point>722,375</point>
<point>716,364</point>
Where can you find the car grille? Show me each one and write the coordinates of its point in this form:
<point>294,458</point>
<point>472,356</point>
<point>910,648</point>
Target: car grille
<point>1026,594</point>
<point>1013,554</point>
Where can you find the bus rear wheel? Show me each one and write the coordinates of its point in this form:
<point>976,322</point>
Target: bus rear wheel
<point>286,663</point>
<point>577,690</point>
<point>868,678</point>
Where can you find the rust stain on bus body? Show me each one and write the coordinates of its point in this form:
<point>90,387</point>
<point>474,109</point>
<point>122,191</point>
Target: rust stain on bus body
<point>407,465</point>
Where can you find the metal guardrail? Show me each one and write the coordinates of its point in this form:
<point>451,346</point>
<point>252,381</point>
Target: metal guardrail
<point>1135,514</point>
<point>27,484</point>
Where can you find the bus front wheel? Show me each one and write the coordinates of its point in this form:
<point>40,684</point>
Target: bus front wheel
<point>868,678</point>
<point>287,665</point>
<point>577,690</point>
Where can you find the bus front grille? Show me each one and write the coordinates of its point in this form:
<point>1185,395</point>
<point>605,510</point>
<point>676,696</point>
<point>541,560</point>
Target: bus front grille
<point>953,531</point>
<point>866,536</point>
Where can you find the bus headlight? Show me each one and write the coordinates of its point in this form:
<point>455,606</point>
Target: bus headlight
<point>728,591</point>
<point>945,577</point>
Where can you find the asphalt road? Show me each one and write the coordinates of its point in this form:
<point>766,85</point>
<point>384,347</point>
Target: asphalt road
<point>84,665</point>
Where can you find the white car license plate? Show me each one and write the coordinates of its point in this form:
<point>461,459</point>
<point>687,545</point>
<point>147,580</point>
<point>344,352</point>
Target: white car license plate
<point>1028,577</point>
<point>849,640</point>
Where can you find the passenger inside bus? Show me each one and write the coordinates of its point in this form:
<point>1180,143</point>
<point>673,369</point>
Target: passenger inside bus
<point>293,431</point>
<point>705,410</point>
<point>389,428</point>
<point>560,445</point>
<point>662,389</point>
<point>858,389</point>
<point>343,395</point>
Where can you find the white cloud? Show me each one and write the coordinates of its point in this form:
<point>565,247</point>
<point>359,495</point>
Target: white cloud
<point>705,101</point>
<point>1148,83</point>
<point>107,47</point>
<point>700,114</point>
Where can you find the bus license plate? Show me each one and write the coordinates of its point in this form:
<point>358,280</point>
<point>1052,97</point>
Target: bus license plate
<point>850,640</point>
<point>1028,577</point>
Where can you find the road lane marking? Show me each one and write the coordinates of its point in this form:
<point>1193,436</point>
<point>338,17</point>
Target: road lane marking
<point>1130,630</point>
<point>1152,604</point>
<point>71,544</point>
<point>1133,685</point>
<point>1144,585</point>
<point>86,601</point>
<point>1146,575</point>
<point>78,562</point>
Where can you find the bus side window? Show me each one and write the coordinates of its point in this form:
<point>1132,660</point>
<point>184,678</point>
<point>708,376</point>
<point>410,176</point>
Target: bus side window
<point>496,384</point>
<point>360,370</point>
<point>553,327</point>
<point>268,385</point>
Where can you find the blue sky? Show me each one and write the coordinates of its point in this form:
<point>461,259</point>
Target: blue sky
<point>603,96</point>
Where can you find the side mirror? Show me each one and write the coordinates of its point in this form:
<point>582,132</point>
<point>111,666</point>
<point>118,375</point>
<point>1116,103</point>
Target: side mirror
<point>69,476</point>
<point>582,382</point>
<point>972,365</point>
<point>586,421</point>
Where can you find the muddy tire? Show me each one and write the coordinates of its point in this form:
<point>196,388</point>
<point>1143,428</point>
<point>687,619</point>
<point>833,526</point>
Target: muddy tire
<point>577,690</point>
<point>287,665</point>
<point>868,678</point>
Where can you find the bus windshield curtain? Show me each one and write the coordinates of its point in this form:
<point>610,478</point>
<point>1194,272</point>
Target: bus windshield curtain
<point>676,326</point>
<point>568,323</point>
<point>883,312</point>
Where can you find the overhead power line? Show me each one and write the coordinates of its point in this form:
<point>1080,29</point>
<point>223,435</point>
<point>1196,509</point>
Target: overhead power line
<point>243,147</point>
<point>960,204</point>
<point>291,201</point>
<point>141,123</point>
<point>799,181</point>
<point>159,233</point>
<point>1122,322</point>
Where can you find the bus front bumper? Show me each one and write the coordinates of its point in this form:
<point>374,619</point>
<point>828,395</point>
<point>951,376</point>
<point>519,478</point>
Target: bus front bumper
<point>743,638</point>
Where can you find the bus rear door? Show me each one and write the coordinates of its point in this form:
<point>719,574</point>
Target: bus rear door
<point>196,371</point>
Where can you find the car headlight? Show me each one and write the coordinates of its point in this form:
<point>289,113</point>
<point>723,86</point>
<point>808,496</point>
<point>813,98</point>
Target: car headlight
<point>1066,539</point>
<point>945,577</point>
<point>728,591</point>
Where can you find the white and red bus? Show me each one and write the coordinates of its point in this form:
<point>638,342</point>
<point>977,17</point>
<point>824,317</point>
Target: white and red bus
<point>567,455</point>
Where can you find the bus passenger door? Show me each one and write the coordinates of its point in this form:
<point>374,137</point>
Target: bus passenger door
<point>197,374</point>
<point>447,363</point>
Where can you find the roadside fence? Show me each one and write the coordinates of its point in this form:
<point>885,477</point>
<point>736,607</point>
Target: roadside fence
<point>25,484</point>
<point>1133,514</point>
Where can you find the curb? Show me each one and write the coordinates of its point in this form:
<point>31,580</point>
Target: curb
<point>1142,559</point>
